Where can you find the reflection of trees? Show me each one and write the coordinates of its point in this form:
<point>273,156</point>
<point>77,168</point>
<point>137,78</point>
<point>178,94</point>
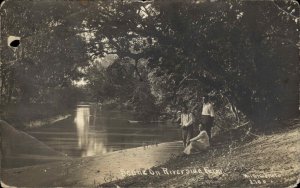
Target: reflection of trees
<point>82,121</point>
<point>121,135</point>
<point>88,142</point>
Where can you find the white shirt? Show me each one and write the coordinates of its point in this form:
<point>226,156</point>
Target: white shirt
<point>186,119</point>
<point>203,138</point>
<point>208,110</point>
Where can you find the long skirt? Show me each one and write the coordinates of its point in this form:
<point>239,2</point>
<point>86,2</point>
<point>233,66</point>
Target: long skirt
<point>194,147</point>
<point>187,134</point>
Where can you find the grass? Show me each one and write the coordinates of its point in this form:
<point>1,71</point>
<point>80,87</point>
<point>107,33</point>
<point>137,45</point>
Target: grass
<point>255,161</point>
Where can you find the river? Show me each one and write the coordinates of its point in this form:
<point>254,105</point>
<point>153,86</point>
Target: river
<point>91,131</point>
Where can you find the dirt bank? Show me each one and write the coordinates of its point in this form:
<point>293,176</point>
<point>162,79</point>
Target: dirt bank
<point>19,148</point>
<point>46,121</point>
<point>90,171</point>
<point>23,116</point>
<point>267,161</point>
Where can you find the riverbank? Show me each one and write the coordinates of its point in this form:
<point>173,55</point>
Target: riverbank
<point>19,148</point>
<point>46,121</point>
<point>91,171</point>
<point>33,115</point>
<point>261,160</point>
<point>270,160</point>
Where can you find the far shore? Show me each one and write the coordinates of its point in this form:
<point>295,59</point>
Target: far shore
<point>46,121</point>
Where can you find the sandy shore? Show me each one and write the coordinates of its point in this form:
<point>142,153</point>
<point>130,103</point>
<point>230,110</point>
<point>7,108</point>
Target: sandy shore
<point>266,160</point>
<point>90,171</point>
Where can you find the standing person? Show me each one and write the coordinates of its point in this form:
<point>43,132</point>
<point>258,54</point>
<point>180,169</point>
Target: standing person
<point>186,123</point>
<point>196,110</point>
<point>208,115</point>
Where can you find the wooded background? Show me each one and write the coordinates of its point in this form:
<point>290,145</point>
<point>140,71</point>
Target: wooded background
<point>154,56</point>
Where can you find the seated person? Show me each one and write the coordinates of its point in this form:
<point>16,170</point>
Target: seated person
<point>198,143</point>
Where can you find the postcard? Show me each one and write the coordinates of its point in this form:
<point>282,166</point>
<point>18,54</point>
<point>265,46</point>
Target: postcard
<point>149,93</point>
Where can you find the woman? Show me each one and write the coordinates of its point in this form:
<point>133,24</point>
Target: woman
<point>198,143</point>
<point>186,123</point>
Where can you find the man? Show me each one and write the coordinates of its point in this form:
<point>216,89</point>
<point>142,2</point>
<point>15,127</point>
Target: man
<point>208,115</point>
<point>186,123</point>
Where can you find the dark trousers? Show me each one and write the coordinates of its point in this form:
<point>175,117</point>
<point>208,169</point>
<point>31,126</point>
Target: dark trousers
<point>187,134</point>
<point>207,123</point>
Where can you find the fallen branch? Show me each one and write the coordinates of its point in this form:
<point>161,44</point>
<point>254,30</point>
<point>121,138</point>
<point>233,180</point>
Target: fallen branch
<point>248,132</point>
<point>242,125</point>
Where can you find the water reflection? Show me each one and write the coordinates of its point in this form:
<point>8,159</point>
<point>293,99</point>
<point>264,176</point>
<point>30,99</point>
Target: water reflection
<point>82,121</point>
<point>88,142</point>
<point>92,131</point>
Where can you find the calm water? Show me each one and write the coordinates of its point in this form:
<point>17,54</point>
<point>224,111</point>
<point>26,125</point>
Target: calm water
<point>91,131</point>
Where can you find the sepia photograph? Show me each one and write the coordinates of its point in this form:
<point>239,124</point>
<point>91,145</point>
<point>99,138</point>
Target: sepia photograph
<point>149,93</point>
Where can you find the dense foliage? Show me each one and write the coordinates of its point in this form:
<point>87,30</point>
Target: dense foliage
<point>244,53</point>
<point>50,56</point>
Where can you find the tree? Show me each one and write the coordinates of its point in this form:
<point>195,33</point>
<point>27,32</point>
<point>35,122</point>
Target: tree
<point>51,54</point>
<point>242,51</point>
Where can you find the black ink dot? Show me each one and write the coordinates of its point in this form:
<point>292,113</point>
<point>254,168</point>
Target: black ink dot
<point>15,43</point>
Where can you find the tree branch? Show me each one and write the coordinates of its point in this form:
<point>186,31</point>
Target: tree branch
<point>289,13</point>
